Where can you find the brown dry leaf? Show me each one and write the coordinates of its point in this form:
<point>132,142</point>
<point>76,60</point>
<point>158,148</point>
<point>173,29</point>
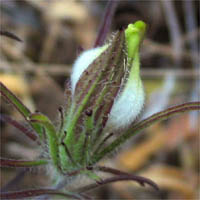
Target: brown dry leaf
<point>173,179</point>
<point>138,155</point>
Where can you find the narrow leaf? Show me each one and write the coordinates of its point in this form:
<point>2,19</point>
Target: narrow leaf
<point>21,163</point>
<point>51,135</point>
<point>11,98</point>
<point>160,116</point>
<point>167,113</point>
<point>106,22</point>
<point>29,133</point>
<point>14,100</point>
<point>141,180</point>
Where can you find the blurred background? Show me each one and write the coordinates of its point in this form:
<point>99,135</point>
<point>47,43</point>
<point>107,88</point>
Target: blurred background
<point>36,70</point>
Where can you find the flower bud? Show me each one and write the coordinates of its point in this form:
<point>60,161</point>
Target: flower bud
<point>130,100</point>
<point>106,80</point>
<point>82,63</point>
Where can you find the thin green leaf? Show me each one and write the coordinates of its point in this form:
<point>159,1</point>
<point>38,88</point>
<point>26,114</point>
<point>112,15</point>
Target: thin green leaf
<point>51,135</point>
<point>160,116</point>
<point>14,100</point>
<point>11,98</point>
<point>21,163</point>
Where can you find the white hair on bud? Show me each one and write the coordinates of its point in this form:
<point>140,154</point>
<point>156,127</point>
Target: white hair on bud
<point>127,106</point>
<point>83,62</point>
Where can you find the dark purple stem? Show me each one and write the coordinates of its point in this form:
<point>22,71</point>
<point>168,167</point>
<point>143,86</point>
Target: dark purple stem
<point>141,180</point>
<point>37,192</point>
<point>29,133</point>
<point>106,22</point>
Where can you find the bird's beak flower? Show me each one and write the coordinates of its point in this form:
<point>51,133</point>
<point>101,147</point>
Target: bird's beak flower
<point>106,94</point>
<point>109,76</point>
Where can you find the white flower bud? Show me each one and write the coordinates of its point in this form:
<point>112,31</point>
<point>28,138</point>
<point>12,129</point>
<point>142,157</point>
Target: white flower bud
<point>129,99</point>
<point>82,63</point>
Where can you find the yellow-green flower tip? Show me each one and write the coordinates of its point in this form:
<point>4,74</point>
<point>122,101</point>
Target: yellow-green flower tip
<point>134,35</point>
<point>138,27</point>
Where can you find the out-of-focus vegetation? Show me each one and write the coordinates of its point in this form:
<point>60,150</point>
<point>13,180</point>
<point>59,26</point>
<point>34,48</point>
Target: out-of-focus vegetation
<point>36,70</point>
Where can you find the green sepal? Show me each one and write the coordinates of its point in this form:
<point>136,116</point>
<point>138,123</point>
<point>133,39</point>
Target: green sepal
<point>50,132</point>
<point>65,162</point>
<point>80,148</point>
